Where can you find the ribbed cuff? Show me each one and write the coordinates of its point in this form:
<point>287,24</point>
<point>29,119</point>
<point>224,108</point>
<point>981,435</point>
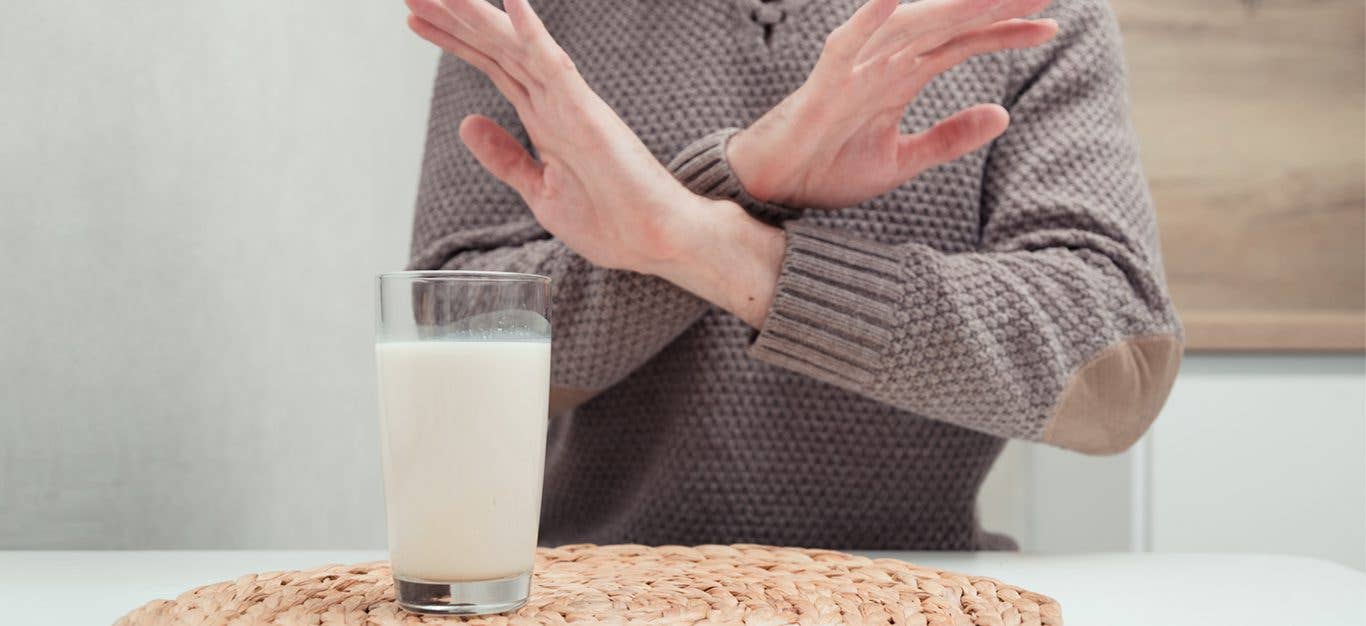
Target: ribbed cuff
<point>703,168</point>
<point>835,308</point>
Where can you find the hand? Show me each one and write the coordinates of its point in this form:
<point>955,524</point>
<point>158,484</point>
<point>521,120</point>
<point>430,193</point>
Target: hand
<point>836,141</point>
<point>596,187</point>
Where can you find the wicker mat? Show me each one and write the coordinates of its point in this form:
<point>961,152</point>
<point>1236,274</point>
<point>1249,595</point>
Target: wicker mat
<point>742,584</point>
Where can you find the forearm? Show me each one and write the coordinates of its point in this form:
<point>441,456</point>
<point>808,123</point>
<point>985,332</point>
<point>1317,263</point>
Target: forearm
<point>736,269</point>
<point>1069,340</point>
<point>606,322</point>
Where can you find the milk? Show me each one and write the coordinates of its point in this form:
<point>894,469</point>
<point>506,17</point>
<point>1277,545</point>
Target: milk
<point>464,426</point>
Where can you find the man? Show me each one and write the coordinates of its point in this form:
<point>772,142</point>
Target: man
<point>931,235</point>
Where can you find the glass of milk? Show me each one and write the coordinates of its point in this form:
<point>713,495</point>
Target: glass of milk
<point>464,384</point>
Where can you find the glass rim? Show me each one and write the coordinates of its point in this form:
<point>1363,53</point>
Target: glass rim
<point>464,276</point>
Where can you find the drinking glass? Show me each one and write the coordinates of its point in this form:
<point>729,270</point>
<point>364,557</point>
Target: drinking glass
<point>464,384</point>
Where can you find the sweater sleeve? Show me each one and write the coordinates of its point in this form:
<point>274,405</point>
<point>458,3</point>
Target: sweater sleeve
<point>606,323</point>
<point>1058,328</point>
<point>703,166</point>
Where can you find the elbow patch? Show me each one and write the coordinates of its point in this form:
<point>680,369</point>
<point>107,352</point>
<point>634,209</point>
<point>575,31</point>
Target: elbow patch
<point>1111,400</point>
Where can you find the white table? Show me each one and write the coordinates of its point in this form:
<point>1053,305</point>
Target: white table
<point>96,587</point>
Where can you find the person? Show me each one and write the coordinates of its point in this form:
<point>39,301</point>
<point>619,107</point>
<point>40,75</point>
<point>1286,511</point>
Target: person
<point>813,264</point>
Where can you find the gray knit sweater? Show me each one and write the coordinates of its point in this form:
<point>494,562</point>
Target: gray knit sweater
<point>1014,293</point>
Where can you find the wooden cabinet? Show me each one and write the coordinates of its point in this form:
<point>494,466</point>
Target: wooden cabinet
<point>1252,117</point>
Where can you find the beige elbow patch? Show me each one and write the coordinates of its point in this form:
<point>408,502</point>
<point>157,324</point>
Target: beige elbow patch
<point>1109,402</point>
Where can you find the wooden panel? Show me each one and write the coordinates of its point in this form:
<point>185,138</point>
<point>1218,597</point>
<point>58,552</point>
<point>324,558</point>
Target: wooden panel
<point>1302,331</point>
<point>1251,118</point>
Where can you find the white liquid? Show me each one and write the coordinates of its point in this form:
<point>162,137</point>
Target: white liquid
<point>464,425</point>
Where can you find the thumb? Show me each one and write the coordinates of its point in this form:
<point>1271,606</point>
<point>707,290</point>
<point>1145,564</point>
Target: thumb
<point>950,138</point>
<point>501,154</point>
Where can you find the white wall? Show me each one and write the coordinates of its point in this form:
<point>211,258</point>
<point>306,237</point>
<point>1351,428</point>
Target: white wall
<point>193,198</point>
<point>1263,455</point>
<point>1253,453</point>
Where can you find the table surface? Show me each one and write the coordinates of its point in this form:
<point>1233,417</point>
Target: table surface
<point>96,587</point>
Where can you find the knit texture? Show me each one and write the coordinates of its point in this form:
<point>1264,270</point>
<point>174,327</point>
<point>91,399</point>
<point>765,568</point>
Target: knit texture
<point>911,335</point>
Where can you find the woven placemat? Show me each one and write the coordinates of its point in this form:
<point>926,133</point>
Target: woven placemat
<point>740,584</point>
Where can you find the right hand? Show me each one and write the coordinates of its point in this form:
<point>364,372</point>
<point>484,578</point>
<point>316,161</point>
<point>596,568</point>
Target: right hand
<point>836,141</point>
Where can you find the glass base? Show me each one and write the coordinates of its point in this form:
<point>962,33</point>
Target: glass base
<point>473,597</point>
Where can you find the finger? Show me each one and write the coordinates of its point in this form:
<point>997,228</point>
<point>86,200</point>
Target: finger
<point>843,43</point>
<point>484,18</point>
<point>548,59</point>
<point>950,138</point>
<point>1005,35</point>
<point>937,38</point>
<point>511,89</point>
<point>437,13</point>
<point>914,19</point>
<point>917,71</point>
<point>502,155</point>
<point>928,24</point>
<point>440,15</point>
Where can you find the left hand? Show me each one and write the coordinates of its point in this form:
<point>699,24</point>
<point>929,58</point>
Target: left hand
<point>596,187</point>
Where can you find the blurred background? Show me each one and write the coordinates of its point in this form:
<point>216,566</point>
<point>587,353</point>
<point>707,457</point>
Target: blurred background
<point>195,196</point>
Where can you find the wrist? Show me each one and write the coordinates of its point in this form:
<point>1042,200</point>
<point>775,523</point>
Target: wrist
<point>760,249</point>
<point>733,263</point>
<point>744,155</point>
<point>680,228</point>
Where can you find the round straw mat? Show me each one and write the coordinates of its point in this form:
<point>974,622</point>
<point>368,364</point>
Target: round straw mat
<point>629,584</point>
